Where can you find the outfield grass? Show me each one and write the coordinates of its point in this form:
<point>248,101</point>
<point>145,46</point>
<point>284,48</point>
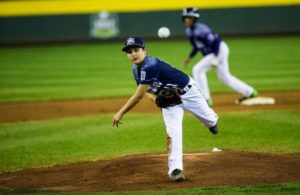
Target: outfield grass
<point>45,143</point>
<point>101,70</point>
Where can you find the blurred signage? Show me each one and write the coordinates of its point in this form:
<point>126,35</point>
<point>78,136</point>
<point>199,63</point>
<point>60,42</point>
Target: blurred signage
<point>104,25</point>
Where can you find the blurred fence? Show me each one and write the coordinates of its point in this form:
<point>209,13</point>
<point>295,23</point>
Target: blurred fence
<point>118,25</point>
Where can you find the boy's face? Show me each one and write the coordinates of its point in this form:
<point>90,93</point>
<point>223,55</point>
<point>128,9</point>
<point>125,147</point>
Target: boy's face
<point>188,21</point>
<point>136,55</point>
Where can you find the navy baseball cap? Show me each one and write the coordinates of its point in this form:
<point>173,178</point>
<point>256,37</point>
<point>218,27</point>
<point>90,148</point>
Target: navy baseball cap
<point>133,41</point>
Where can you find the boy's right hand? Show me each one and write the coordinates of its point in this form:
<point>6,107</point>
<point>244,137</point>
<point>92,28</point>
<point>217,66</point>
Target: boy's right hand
<point>116,119</point>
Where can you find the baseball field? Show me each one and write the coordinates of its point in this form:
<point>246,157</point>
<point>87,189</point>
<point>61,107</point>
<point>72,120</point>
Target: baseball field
<point>56,134</point>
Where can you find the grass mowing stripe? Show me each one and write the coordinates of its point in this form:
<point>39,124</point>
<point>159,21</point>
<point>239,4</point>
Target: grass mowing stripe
<point>44,143</point>
<point>102,70</point>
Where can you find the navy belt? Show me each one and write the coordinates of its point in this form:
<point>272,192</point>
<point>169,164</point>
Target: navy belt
<point>185,89</point>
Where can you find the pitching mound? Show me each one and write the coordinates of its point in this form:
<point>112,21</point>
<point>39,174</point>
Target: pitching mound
<point>148,172</point>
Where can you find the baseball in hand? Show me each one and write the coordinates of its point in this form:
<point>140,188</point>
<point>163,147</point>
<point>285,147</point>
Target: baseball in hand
<point>163,32</point>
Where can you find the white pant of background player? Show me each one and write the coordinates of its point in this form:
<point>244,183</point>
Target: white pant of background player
<point>221,64</point>
<point>193,101</point>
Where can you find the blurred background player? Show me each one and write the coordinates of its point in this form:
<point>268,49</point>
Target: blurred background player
<point>215,54</point>
<point>152,76</point>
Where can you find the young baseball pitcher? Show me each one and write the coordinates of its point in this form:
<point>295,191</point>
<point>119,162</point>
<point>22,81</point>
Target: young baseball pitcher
<point>215,54</point>
<point>173,91</point>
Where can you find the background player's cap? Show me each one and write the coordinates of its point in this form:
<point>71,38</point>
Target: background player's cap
<point>190,12</point>
<point>133,41</point>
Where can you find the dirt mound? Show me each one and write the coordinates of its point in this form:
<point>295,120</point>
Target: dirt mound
<point>148,172</point>
<point>15,112</point>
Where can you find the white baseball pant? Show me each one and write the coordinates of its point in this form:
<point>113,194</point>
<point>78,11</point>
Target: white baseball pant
<point>193,101</point>
<point>221,64</point>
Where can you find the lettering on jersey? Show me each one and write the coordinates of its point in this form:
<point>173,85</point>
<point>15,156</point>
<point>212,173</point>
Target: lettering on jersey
<point>143,75</point>
<point>154,87</point>
<point>168,86</point>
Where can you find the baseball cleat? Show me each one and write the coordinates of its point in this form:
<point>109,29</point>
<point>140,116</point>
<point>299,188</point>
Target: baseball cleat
<point>214,129</point>
<point>209,102</point>
<point>177,175</point>
<point>241,99</point>
<point>254,93</point>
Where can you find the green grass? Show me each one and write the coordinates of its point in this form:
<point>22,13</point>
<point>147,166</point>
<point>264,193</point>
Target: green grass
<point>45,143</point>
<point>101,70</point>
<point>287,188</point>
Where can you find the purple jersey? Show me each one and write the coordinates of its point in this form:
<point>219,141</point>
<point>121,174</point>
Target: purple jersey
<point>203,39</point>
<point>159,75</point>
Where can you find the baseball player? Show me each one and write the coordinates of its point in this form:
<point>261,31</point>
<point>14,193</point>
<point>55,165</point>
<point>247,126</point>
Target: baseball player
<point>215,54</point>
<point>173,91</point>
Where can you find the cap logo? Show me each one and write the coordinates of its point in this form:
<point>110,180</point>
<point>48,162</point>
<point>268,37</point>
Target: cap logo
<point>130,41</point>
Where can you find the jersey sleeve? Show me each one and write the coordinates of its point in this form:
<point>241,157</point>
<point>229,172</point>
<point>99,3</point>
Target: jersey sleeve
<point>149,74</point>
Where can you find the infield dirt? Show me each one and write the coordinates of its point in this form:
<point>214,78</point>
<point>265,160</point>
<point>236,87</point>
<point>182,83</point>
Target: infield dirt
<point>16,112</point>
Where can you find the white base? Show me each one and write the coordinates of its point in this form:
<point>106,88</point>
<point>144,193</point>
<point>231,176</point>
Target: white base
<point>215,149</point>
<point>258,101</point>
